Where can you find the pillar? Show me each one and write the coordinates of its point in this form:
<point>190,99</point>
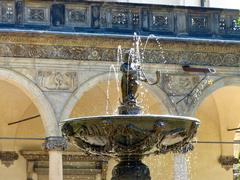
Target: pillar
<point>55,145</point>
<point>180,167</point>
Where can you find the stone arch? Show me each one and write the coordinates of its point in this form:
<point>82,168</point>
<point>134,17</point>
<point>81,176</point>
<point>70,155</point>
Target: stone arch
<point>38,98</point>
<point>220,83</point>
<point>217,108</point>
<point>157,92</point>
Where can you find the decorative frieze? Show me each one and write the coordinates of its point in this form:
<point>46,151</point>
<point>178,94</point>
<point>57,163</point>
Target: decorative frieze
<point>55,143</point>
<point>174,56</point>
<point>57,80</point>
<point>8,157</point>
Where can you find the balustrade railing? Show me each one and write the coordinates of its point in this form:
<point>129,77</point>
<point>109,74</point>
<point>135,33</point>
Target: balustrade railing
<point>120,18</point>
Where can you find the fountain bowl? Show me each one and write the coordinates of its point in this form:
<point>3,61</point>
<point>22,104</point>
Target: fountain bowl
<point>131,137</point>
<point>124,135</point>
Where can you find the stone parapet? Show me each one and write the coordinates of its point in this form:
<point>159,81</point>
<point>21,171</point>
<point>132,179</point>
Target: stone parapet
<point>119,18</point>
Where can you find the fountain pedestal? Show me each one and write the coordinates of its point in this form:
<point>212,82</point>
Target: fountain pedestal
<point>131,168</point>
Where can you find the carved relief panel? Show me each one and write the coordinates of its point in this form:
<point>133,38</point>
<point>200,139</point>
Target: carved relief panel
<point>161,21</point>
<point>57,81</point>
<point>37,14</point>
<point>120,17</point>
<point>78,16</point>
<point>199,23</point>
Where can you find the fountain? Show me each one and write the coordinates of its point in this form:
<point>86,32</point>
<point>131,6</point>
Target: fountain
<point>131,135</point>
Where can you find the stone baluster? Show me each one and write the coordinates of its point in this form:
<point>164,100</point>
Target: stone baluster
<point>55,145</point>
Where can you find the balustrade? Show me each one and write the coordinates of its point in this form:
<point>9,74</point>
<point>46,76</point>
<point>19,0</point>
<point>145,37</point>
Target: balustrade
<point>120,18</point>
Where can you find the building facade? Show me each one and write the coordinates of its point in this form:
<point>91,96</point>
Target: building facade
<point>55,59</point>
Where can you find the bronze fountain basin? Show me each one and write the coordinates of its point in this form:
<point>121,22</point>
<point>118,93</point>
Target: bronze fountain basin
<point>121,135</point>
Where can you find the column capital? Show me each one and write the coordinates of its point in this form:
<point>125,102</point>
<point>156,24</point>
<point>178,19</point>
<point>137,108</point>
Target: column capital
<point>54,143</point>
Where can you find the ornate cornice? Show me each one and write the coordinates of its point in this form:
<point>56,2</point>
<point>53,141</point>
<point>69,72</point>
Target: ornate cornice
<point>54,143</point>
<point>8,157</point>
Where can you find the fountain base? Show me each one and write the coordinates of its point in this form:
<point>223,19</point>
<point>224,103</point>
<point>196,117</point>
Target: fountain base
<point>130,168</point>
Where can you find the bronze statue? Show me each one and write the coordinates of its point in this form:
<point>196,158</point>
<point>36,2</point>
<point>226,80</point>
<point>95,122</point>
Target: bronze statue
<point>132,74</point>
<point>129,82</point>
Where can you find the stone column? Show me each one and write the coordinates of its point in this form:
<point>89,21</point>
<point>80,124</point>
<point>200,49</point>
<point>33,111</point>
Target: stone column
<point>180,167</point>
<point>55,145</point>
